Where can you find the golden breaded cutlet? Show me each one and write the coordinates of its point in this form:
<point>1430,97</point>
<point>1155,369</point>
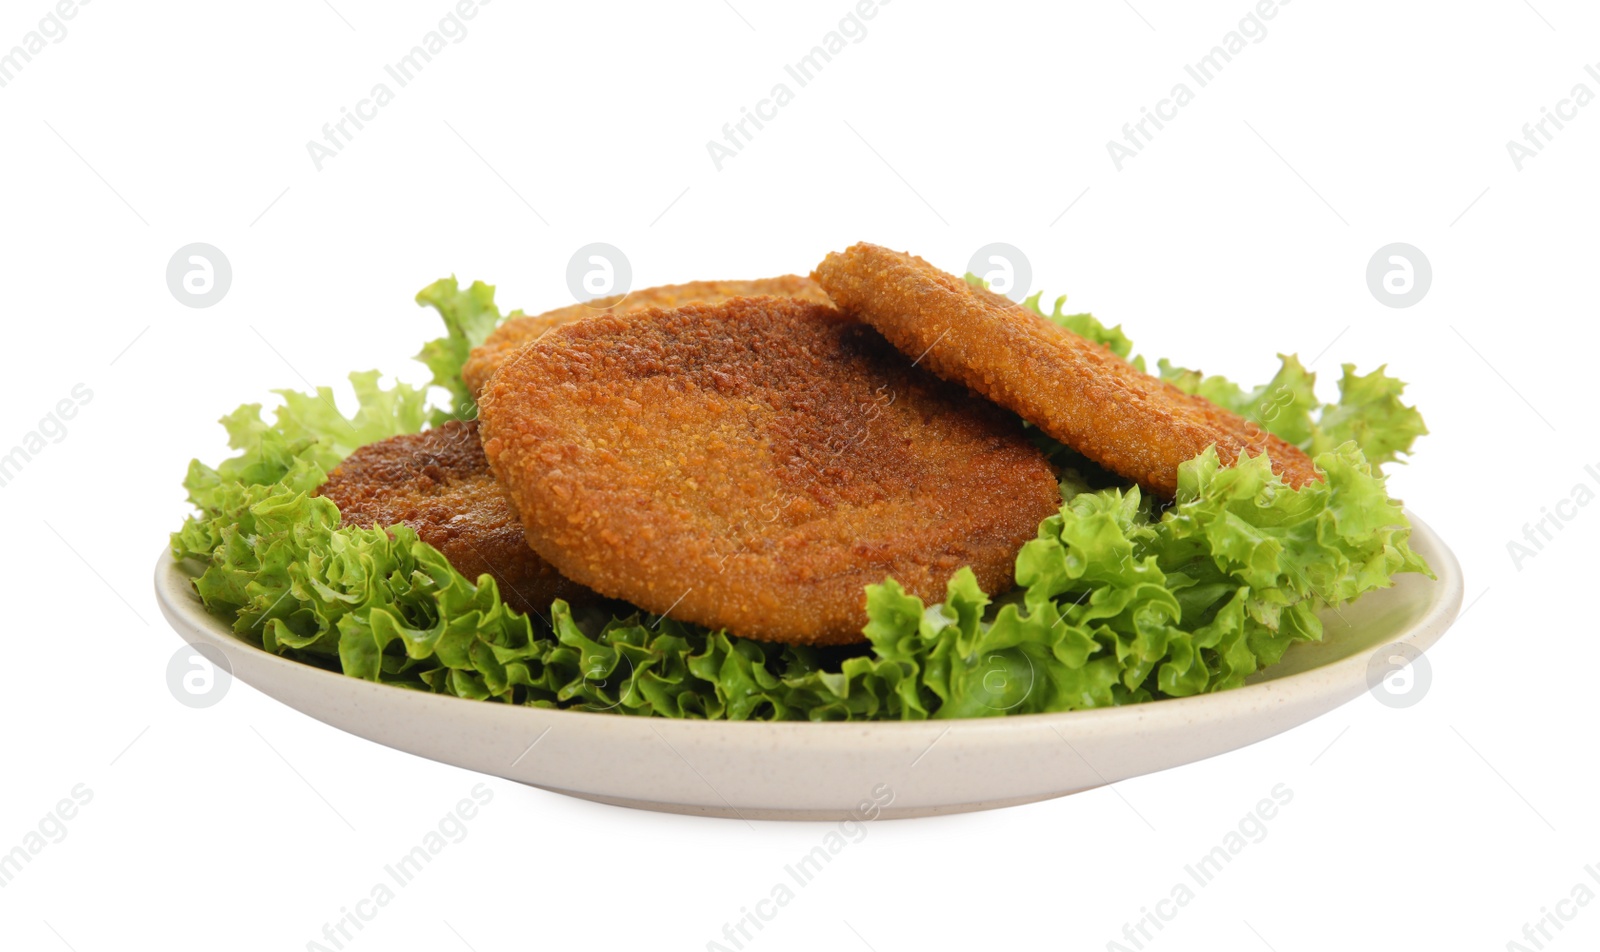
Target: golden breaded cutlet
<point>514,334</point>
<point>754,464</point>
<point>1077,391</point>
<point>438,482</point>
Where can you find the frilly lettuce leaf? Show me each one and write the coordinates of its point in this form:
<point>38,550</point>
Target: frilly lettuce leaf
<point>1369,412</point>
<point>1119,604</point>
<point>308,437</point>
<point>1119,600</point>
<point>469,316</point>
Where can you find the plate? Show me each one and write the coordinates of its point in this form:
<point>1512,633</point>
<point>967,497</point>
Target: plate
<point>835,771</point>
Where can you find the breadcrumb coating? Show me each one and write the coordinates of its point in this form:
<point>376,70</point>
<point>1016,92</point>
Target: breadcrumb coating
<point>510,337</point>
<point>754,464</point>
<point>1077,391</point>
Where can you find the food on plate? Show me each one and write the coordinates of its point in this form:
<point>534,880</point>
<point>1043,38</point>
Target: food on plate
<point>1076,390</point>
<point>749,469</point>
<point>755,464</point>
<point>520,330</point>
<point>438,483</point>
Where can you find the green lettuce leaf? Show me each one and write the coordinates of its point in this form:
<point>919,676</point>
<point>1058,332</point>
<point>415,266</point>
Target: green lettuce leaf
<point>469,316</point>
<point>308,437</point>
<point>1369,412</point>
<point>1120,604</point>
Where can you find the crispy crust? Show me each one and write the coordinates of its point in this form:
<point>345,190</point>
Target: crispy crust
<point>1077,391</point>
<point>753,464</point>
<point>438,482</point>
<point>514,334</point>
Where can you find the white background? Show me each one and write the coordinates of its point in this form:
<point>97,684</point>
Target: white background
<point>1242,230</point>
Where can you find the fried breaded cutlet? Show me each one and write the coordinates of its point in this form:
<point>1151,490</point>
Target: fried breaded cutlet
<point>511,336</point>
<point>753,464</point>
<point>1077,391</point>
<point>439,483</point>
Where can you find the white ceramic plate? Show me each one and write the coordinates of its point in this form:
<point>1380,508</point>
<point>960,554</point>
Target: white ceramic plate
<point>828,771</point>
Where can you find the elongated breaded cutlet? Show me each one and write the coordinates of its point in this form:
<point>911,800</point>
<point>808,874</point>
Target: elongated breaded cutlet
<point>439,483</point>
<point>510,337</point>
<point>754,464</point>
<point>1080,393</point>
